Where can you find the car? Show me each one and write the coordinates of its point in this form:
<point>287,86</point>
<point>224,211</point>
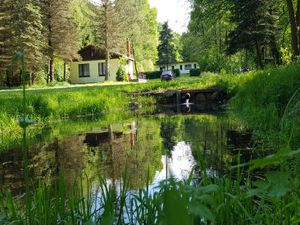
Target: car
<point>167,75</point>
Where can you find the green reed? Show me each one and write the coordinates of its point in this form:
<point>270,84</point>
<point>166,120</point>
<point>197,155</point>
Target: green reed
<point>272,199</point>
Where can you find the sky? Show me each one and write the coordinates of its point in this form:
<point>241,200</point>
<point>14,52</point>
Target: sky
<point>176,12</point>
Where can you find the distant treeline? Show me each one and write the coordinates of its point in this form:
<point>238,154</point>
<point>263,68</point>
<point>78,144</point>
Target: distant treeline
<point>50,33</point>
<point>228,35</point>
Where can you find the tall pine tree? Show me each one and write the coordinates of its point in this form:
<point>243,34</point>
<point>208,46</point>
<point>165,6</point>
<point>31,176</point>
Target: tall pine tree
<point>62,34</point>
<point>6,21</point>
<point>166,48</point>
<point>108,28</point>
<point>255,28</point>
<point>21,31</point>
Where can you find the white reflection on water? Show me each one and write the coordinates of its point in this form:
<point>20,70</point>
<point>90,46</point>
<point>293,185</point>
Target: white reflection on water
<point>179,165</point>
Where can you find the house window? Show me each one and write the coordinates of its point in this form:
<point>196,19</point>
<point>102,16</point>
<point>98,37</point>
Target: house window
<point>102,69</point>
<point>195,66</point>
<point>84,70</point>
<point>180,67</point>
<point>187,66</point>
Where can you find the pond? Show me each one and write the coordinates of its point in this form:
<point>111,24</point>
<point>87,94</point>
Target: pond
<point>146,148</point>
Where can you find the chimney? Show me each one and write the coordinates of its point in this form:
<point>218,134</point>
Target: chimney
<point>128,47</point>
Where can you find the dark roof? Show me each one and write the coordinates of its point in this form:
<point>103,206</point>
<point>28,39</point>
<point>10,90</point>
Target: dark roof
<point>92,52</point>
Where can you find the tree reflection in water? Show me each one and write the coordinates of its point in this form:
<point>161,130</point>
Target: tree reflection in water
<point>145,148</point>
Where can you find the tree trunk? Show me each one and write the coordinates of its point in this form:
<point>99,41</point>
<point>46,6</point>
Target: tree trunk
<point>107,65</point>
<point>51,51</point>
<point>65,71</point>
<point>8,81</point>
<point>293,27</point>
<point>106,42</point>
<point>33,78</point>
<point>275,51</point>
<point>135,65</point>
<point>51,68</point>
<point>259,56</point>
<point>298,24</point>
<point>30,78</point>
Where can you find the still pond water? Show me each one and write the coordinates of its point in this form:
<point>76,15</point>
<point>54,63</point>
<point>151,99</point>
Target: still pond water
<point>161,146</point>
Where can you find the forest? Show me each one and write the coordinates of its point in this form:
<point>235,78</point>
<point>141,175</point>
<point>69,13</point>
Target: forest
<point>223,36</point>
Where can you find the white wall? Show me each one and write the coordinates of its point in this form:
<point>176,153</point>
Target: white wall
<point>177,66</point>
<point>94,74</point>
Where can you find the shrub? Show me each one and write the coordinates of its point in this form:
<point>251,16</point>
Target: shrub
<point>153,75</point>
<point>121,73</point>
<point>176,72</point>
<point>195,72</point>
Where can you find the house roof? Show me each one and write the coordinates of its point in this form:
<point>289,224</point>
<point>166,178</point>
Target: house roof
<point>92,52</point>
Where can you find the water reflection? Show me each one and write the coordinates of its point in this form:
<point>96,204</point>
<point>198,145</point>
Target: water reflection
<point>145,148</point>
<point>179,165</point>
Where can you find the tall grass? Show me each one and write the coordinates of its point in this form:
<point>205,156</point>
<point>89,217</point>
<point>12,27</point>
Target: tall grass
<point>268,99</point>
<point>269,199</point>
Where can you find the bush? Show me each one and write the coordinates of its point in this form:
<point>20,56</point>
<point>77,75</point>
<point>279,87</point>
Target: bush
<point>176,72</point>
<point>121,74</point>
<point>195,72</point>
<point>153,75</point>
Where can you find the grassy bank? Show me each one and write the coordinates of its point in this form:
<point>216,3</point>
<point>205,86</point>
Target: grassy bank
<point>269,102</point>
<point>46,106</point>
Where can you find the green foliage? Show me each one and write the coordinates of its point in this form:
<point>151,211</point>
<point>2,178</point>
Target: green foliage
<point>121,73</point>
<point>267,101</point>
<point>206,40</point>
<point>266,95</point>
<point>61,33</point>
<point>21,29</point>
<point>153,75</point>
<point>166,48</point>
<point>256,28</point>
<point>140,20</point>
<point>220,200</point>
<point>176,72</point>
<point>286,55</point>
<point>195,72</point>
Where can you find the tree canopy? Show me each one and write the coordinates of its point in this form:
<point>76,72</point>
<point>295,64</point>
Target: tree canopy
<point>51,33</point>
<point>231,34</point>
<point>166,48</point>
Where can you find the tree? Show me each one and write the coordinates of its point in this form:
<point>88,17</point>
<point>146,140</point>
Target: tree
<point>83,22</point>
<point>166,48</point>
<point>62,34</point>
<point>294,17</point>
<point>5,34</point>
<point>107,27</point>
<point>22,30</point>
<point>141,23</point>
<point>121,73</point>
<point>205,41</point>
<point>255,28</point>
